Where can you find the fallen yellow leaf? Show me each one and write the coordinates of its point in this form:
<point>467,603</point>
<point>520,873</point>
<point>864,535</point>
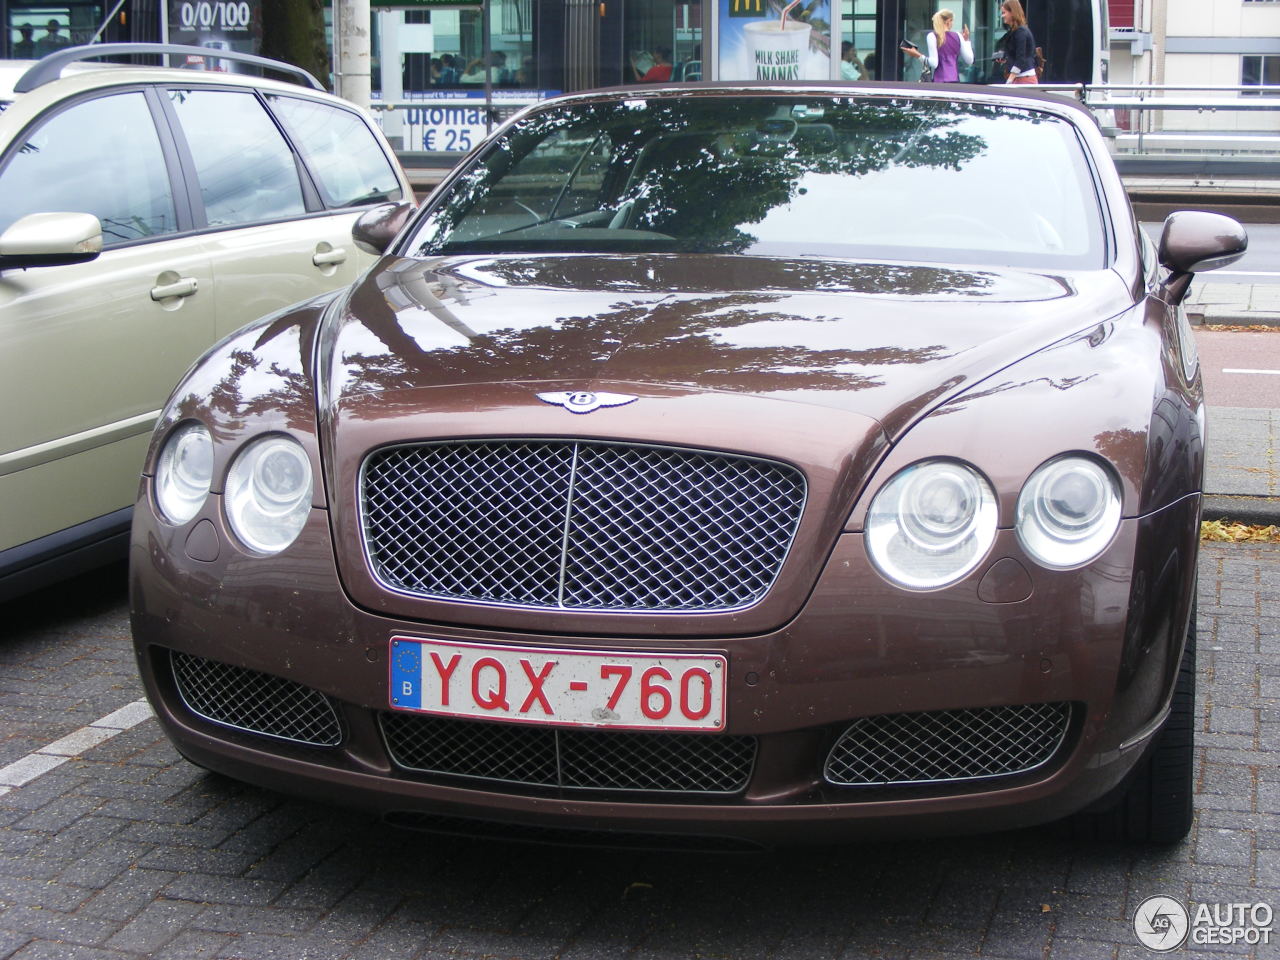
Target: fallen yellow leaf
<point>1223,532</point>
<point>1240,327</point>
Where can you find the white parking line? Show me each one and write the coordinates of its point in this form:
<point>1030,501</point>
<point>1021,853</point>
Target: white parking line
<point>1273,373</point>
<point>53,755</point>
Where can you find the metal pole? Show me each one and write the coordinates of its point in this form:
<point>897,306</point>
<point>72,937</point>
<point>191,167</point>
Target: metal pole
<point>354,59</point>
<point>391,76</point>
<point>335,57</point>
<point>487,59</point>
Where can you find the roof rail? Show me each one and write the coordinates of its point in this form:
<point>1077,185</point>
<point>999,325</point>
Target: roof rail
<point>49,67</point>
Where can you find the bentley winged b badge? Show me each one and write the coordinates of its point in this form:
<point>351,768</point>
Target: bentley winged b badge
<point>584,402</point>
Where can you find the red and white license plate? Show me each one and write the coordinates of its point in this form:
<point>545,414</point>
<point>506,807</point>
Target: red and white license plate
<point>578,688</point>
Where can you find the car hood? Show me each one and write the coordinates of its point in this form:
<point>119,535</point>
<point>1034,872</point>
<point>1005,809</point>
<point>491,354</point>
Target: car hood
<point>814,364</point>
<point>880,340</point>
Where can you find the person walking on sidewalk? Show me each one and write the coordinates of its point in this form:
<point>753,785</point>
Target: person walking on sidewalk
<point>1018,46</point>
<point>946,48</point>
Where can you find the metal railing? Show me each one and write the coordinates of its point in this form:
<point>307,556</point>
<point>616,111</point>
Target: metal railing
<point>1134,115</point>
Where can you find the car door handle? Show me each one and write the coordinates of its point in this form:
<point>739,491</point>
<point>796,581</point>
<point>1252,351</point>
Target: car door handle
<point>329,258</point>
<point>182,287</point>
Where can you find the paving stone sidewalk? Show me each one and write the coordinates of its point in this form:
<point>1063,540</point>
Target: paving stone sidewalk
<point>128,851</point>
<point>1234,303</point>
<point>1242,465</point>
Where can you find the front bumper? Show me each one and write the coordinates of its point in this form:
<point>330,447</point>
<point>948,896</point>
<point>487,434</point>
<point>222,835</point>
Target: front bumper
<point>1105,640</point>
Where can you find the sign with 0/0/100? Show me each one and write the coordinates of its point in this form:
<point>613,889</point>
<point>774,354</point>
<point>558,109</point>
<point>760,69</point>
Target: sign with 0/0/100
<point>218,16</point>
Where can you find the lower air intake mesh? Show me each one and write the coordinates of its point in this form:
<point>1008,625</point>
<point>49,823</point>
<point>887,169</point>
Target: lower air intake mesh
<point>947,745</point>
<point>255,702</point>
<point>572,759</point>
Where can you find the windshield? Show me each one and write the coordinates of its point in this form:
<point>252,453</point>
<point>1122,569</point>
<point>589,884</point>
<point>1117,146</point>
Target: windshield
<point>880,178</point>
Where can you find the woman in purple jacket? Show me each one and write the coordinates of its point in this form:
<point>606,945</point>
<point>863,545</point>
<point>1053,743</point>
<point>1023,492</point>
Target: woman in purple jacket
<point>946,48</point>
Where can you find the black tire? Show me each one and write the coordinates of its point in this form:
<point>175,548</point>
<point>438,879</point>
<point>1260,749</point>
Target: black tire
<point>1156,803</point>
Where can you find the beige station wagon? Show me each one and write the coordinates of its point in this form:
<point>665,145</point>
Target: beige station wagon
<point>145,213</point>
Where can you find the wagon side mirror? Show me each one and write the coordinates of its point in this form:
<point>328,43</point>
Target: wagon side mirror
<point>1194,241</point>
<point>50,240</point>
<point>374,230</point>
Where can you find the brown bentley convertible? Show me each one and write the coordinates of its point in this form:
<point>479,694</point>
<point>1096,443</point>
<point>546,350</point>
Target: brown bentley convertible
<point>731,463</point>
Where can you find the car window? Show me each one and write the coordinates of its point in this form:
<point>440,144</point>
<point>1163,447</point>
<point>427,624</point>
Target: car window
<point>560,177</point>
<point>246,170</point>
<point>868,177</point>
<point>99,156</point>
<point>348,162</point>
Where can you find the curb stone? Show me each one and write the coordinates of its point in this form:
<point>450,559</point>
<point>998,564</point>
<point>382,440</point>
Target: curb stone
<point>1264,511</point>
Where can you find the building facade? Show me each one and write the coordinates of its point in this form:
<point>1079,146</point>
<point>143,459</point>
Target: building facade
<point>449,57</point>
<point>1221,43</point>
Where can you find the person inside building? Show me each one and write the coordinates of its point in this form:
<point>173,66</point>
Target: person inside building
<point>52,40</point>
<point>24,48</point>
<point>659,72</point>
<point>851,67</point>
<point>476,69</point>
<point>449,71</point>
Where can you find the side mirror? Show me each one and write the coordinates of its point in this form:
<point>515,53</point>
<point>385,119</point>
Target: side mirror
<point>374,230</point>
<point>1194,241</point>
<point>51,240</point>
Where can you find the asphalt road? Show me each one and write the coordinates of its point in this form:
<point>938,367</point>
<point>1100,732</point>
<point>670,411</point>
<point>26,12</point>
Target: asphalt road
<point>112,847</point>
<point>1240,369</point>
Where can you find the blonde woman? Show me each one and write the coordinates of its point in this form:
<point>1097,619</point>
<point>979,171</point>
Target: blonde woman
<point>946,48</point>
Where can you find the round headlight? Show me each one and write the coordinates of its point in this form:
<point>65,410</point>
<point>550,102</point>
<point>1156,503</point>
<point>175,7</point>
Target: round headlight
<point>931,524</point>
<point>1068,512</point>
<point>269,493</point>
<point>184,473</point>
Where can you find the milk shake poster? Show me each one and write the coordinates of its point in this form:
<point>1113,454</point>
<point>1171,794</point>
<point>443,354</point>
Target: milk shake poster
<point>758,43</point>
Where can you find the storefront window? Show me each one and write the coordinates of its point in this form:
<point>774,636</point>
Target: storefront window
<point>435,62</point>
<point>443,48</point>
<point>858,40</point>
<point>36,29</point>
<point>662,41</point>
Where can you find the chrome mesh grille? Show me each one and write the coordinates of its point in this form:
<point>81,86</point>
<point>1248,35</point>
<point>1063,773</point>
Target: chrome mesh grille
<point>255,702</point>
<point>579,525</point>
<point>947,745</point>
<point>573,759</point>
